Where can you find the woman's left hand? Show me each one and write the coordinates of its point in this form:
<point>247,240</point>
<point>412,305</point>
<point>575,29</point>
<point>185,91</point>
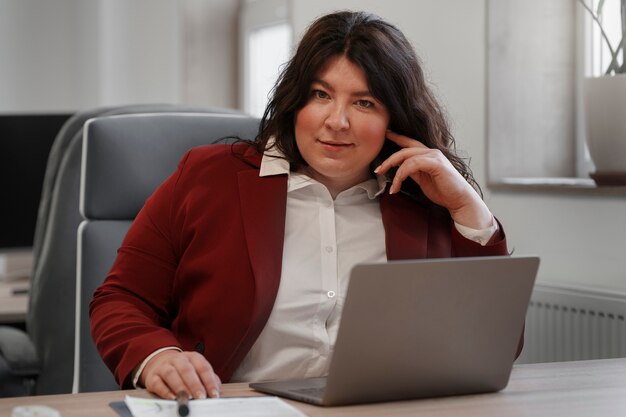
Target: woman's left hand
<point>439,180</point>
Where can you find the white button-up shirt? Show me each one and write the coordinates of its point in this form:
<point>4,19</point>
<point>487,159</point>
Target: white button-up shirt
<point>324,239</point>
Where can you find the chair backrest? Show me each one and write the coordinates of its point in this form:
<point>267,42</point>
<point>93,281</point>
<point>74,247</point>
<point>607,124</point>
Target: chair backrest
<point>51,311</point>
<point>125,158</point>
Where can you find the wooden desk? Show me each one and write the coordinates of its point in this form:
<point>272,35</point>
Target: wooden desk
<point>568,389</point>
<point>13,307</point>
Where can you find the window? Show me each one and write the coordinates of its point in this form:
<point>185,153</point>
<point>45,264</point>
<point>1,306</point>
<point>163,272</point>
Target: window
<point>266,44</point>
<point>268,49</point>
<point>596,51</point>
<point>595,57</point>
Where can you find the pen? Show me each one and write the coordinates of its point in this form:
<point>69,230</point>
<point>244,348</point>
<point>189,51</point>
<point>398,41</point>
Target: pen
<point>182,403</point>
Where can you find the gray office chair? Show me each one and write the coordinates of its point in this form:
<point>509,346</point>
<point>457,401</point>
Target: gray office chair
<point>125,159</point>
<point>41,360</point>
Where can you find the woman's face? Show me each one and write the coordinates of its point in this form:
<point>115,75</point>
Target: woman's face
<point>341,128</point>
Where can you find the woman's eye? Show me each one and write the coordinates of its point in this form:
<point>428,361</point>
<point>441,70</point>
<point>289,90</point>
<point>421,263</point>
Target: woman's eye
<point>366,104</point>
<point>320,94</point>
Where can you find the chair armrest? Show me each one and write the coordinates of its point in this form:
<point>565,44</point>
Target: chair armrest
<point>19,352</point>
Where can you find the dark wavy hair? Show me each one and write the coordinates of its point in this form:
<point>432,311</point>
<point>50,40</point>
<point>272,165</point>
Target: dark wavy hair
<point>394,76</point>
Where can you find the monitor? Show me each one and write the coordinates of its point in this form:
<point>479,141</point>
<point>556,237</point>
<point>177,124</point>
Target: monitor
<point>25,142</point>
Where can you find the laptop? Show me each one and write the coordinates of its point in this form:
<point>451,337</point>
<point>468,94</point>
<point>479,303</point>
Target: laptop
<point>423,328</point>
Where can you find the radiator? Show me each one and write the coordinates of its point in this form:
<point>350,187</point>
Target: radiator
<point>571,323</point>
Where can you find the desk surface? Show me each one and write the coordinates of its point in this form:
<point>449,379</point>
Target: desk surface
<point>13,307</point>
<point>571,389</point>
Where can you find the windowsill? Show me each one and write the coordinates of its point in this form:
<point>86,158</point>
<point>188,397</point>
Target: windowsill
<point>585,186</point>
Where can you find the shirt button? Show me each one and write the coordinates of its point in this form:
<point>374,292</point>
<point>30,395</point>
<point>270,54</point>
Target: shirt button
<point>330,294</point>
<point>329,249</point>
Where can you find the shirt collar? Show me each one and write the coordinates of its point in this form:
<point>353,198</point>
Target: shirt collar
<point>273,163</point>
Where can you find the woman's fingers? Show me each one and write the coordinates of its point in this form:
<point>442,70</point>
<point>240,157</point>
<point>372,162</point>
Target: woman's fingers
<point>172,371</point>
<point>397,158</point>
<point>410,147</point>
<point>403,141</point>
<point>438,179</point>
<point>209,379</point>
<point>429,168</point>
<point>414,162</point>
<point>162,378</point>
<point>414,166</point>
<point>160,388</point>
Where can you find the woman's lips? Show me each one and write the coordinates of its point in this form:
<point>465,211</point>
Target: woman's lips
<point>334,145</point>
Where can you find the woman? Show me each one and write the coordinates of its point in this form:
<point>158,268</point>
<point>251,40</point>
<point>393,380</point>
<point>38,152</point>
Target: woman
<point>236,267</point>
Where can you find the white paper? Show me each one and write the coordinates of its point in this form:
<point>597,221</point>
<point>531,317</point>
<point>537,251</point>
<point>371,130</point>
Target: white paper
<point>231,407</point>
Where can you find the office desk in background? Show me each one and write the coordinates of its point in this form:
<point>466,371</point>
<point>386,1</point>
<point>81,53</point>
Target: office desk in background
<point>560,389</point>
<point>14,301</point>
<point>15,266</point>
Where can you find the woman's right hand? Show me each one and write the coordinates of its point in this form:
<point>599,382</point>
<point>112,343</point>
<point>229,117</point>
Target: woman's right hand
<point>172,371</point>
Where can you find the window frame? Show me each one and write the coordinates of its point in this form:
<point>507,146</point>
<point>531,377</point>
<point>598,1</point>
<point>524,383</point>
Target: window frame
<point>255,15</point>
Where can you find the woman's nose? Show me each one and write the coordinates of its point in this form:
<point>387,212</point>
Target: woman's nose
<point>337,119</point>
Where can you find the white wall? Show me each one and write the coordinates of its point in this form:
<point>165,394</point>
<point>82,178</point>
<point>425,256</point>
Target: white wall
<point>61,55</point>
<point>210,52</point>
<point>581,238</point>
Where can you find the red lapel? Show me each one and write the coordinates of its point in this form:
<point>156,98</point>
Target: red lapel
<point>263,205</point>
<point>414,230</point>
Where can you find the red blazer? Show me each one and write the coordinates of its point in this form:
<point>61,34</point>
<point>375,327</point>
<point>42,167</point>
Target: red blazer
<point>200,266</point>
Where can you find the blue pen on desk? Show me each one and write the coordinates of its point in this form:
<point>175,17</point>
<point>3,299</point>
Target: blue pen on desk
<point>182,403</point>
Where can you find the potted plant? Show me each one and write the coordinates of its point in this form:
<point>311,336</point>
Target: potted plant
<point>605,107</point>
